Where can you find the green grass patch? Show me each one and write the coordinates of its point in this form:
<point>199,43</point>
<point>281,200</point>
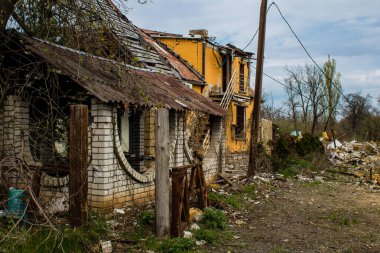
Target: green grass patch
<point>233,200</point>
<point>47,240</point>
<point>207,235</point>
<point>177,245</point>
<point>249,189</point>
<point>295,166</point>
<point>212,236</point>
<point>342,219</point>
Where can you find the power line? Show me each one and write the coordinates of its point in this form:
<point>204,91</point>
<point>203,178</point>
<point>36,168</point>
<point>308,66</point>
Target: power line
<point>257,30</point>
<point>312,59</point>
<point>308,54</point>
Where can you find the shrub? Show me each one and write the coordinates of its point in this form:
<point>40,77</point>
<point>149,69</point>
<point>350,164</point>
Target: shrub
<point>214,219</point>
<point>146,218</point>
<point>210,236</point>
<point>282,150</point>
<point>309,144</point>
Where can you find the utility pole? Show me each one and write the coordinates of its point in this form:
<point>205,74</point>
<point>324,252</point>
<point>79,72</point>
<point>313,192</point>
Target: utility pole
<point>255,118</point>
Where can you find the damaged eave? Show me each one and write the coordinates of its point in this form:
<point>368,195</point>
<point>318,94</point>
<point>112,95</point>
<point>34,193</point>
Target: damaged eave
<point>116,82</point>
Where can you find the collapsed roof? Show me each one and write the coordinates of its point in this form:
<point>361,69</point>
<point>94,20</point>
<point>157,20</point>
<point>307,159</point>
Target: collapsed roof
<point>112,81</point>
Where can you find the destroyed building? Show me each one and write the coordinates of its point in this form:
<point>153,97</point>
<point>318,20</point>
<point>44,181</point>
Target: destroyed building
<point>121,96</point>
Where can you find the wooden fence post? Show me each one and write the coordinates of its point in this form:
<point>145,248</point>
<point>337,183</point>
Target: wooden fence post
<point>78,185</point>
<point>162,172</point>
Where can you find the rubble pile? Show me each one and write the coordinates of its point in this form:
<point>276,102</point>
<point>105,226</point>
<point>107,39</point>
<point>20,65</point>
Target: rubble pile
<point>360,159</point>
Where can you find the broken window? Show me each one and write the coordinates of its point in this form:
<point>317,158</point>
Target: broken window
<point>136,133</point>
<point>226,70</point>
<point>240,122</point>
<point>241,77</point>
<point>131,133</point>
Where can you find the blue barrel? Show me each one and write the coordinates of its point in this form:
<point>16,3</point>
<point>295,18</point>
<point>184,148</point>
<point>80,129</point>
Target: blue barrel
<point>16,203</point>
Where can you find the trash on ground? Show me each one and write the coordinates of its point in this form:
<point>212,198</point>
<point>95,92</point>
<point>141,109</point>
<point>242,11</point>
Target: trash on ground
<point>106,246</point>
<point>187,234</point>
<point>193,212</point>
<point>119,211</point>
<point>194,226</point>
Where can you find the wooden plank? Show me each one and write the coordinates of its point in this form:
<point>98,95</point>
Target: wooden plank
<point>78,187</point>
<point>162,172</point>
<point>36,187</point>
<point>175,222</point>
<point>186,207</point>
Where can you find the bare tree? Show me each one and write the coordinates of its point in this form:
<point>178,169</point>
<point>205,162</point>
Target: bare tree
<point>316,91</point>
<point>306,93</point>
<point>293,103</point>
<point>269,111</point>
<point>355,109</point>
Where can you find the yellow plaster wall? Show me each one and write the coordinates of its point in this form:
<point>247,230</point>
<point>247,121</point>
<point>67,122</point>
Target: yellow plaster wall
<point>191,51</point>
<point>213,66</point>
<point>238,145</point>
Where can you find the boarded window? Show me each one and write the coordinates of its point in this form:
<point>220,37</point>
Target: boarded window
<point>240,122</point>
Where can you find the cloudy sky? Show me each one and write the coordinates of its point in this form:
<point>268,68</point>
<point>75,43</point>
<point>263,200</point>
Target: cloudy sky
<point>348,30</point>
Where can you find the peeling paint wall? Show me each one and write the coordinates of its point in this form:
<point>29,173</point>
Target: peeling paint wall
<point>191,51</point>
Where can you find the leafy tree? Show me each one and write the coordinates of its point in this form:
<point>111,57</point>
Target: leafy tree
<point>333,91</point>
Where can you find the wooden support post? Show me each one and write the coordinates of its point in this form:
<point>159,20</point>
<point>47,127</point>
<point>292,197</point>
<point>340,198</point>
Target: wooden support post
<point>78,187</point>
<point>162,172</point>
<point>255,124</point>
<point>36,187</point>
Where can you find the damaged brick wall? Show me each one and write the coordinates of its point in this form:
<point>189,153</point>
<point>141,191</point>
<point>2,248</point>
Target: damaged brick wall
<point>113,182</point>
<point>215,157</point>
<point>14,138</point>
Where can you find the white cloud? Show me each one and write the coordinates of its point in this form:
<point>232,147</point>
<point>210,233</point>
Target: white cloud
<point>348,30</point>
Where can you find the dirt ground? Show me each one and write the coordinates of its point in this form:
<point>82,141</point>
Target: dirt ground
<point>299,216</point>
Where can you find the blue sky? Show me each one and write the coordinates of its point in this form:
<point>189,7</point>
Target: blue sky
<point>348,30</point>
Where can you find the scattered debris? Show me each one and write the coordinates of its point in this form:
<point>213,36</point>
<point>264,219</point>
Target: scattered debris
<point>200,243</point>
<point>357,159</point>
<point>57,205</point>
<point>119,211</point>
<point>195,214</point>
<point>187,234</point>
<point>106,246</point>
<point>194,227</point>
<point>240,222</point>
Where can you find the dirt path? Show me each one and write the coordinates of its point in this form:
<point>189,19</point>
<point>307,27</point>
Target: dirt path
<point>309,217</point>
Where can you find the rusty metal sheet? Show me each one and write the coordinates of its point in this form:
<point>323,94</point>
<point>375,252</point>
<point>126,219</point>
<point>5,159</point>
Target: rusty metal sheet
<point>113,81</point>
